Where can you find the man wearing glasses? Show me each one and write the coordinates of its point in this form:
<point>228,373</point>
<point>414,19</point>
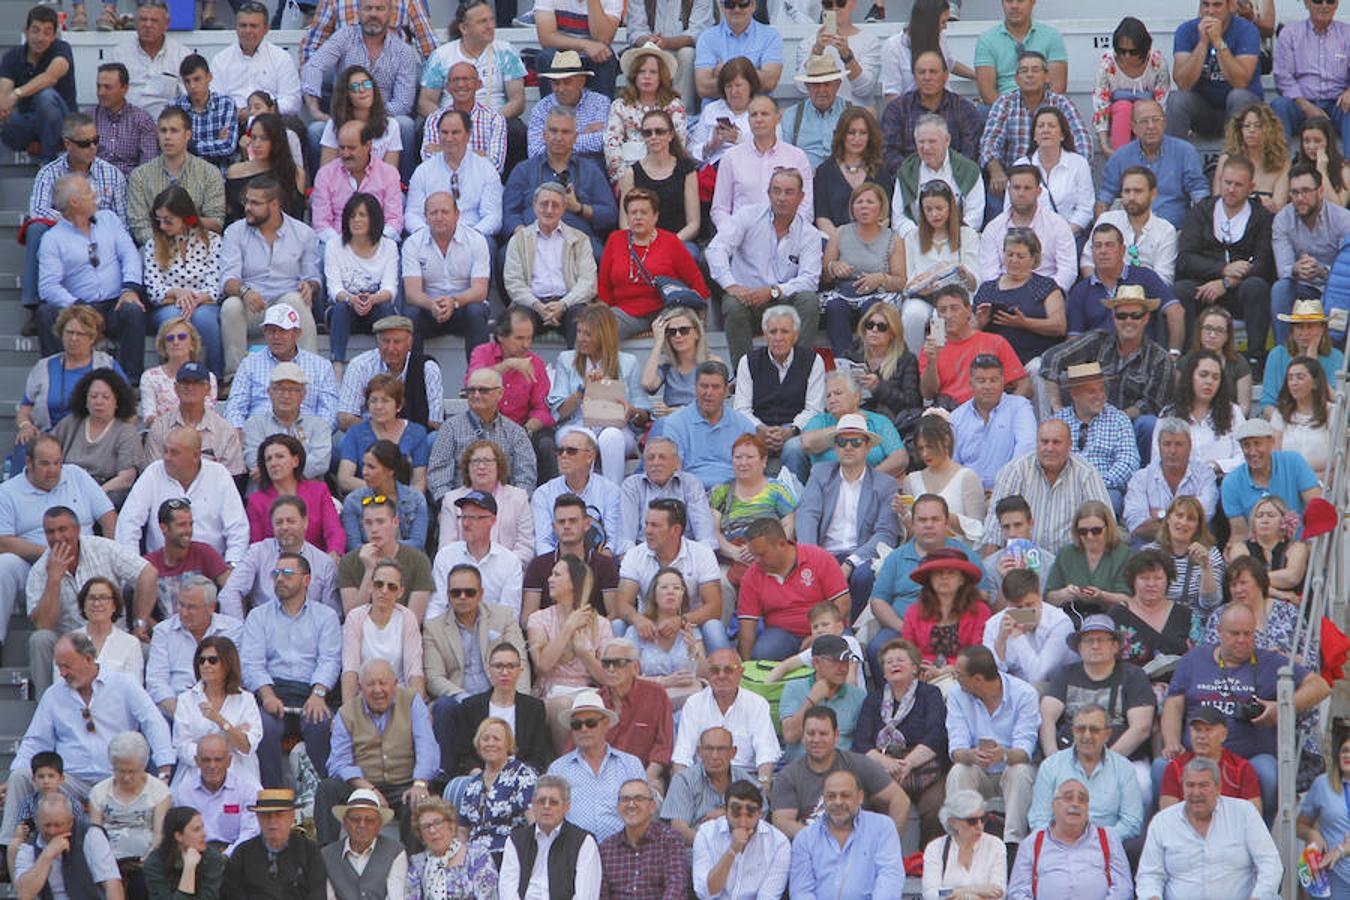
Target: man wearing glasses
<point>356,570</point>
<point>603,499</point>
<point>1117,801</point>
<point>291,656</point>
<point>696,793</point>
<point>647,860</point>
<point>252,578</point>
<point>483,420</point>
<point>1175,164</point>
<point>595,769</point>
<point>646,727</point>
<point>1101,434</point>
<point>499,570</point>
<point>532,867</point>
<point>739,856</point>
<point>1072,854</point>
<point>738,34</point>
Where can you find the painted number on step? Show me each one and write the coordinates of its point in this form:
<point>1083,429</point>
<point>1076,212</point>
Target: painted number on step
<point>1101,42</point>
<point>24,345</point>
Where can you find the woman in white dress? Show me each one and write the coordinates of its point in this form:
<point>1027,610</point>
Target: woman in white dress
<point>942,475</point>
<point>216,704</point>
<point>1300,417</point>
<point>383,629</point>
<point>117,651</point>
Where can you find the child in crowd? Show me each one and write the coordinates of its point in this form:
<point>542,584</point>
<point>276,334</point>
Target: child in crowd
<point>825,619</point>
<point>49,777</point>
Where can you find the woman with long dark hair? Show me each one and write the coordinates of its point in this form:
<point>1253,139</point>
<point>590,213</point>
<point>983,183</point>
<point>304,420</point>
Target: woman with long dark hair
<point>361,272</point>
<point>1214,331</point>
<point>1301,413</point>
<point>281,472</point>
<point>356,95</point>
<point>1320,147</point>
<point>943,250</point>
<point>181,267</point>
<point>855,159</point>
<point>216,704</point>
<point>269,152</point>
<point>669,173</point>
<point>1204,401</point>
<point>385,471</point>
<point>1066,174</point>
<point>183,865</point>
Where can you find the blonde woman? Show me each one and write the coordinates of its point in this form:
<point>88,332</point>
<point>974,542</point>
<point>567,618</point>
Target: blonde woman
<point>1272,542</point>
<point>886,368</point>
<point>1256,134</point>
<point>1198,563</point>
<point>178,343</point>
<point>678,346</point>
<point>1086,576</point>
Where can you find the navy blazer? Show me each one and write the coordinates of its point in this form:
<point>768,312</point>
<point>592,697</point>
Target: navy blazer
<point>876,521</point>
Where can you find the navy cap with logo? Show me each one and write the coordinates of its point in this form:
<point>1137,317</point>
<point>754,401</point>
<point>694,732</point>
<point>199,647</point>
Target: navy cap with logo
<point>480,499</point>
<point>193,371</point>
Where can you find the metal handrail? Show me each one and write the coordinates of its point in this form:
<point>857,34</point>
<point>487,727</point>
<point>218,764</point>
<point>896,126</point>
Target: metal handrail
<point>1325,595</point>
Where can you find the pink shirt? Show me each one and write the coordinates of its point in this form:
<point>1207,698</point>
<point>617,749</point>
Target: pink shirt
<point>334,186</point>
<point>325,526</point>
<point>743,179</point>
<point>514,529</point>
<point>521,398</point>
<point>353,631</point>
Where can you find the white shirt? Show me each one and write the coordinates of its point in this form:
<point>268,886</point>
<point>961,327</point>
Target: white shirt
<point>1037,656</point>
<point>1235,860</point>
<point>972,204</point>
<point>1208,447</point>
<point>218,515</point>
<point>269,69</point>
<point>444,274</point>
<point>759,871</point>
<point>506,713</point>
<point>585,887</point>
<point>547,278</point>
<point>389,142</point>
<point>395,884</point>
<point>1156,243</point>
<point>500,569</point>
<point>988,865</point>
<point>1236,224</point>
<point>696,562</point>
<point>154,80</point>
<point>190,726</point>
<point>747,719</point>
<point>743,401</point>
<point>121,653</point>
<point>1067,188</point>
<point>897,68</point>
<point>940,253</point>
<point>843,531</point>
<point>1059,253</point>
<point>98,852</point>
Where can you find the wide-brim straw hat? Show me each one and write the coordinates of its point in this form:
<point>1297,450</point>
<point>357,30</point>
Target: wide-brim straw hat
<point>633,55</point>
<point>364,798</point>
<point>565,64</point>
<point>820,69</point>
<point>1305,311</point>
<point>1131,293</point>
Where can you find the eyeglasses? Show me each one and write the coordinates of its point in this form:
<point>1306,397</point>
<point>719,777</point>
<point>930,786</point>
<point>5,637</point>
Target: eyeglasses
<point>503,667</point>
<point>208,660</point>
<point>655,132</point>
<point>973,820</point>
<point>588,724</point>
<point>1083,436</point>
<point>570,451</point>
<point>100,597</point>
<point>719,748</point>
<point>877,325</point>
<point>1093,530</point>
<point>679,330</point>
<point>1122,316</point>
<point>1214,329</point>
<point>615,662</point>
<point>484,461</point>
<point>178,336</point>
<point>462,592</point>
<point>363,85</point>
<point>381,584</point>
<point>546,801</point>
<point>84,144</point>
<point>479,389</point>
<point>93,254</point>
<point>287,571</point>
<point>88,716</point>
<point>630,799</point>
<point>1089,729</point>
<point>849,442</point>
<point>454,189</point>
<point>377,498</point>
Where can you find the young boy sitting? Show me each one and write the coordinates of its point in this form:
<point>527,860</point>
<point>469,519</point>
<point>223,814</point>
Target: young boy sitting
<point>49,777</point>
<point>824,619</point>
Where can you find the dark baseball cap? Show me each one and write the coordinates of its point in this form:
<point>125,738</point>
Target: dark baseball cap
<point>1209,715</point>
<point>193,371</point>
<point>831,646</point>
<point>479,499</point>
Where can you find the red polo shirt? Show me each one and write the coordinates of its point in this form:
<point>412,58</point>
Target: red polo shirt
<point>1239,778</point>
<point>784,603</point>
<point>646,726</point>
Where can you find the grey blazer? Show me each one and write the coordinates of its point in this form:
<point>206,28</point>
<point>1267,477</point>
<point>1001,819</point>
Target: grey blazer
<point>876,521</point>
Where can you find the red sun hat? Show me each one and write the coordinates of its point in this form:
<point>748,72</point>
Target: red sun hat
<point>946,559</point>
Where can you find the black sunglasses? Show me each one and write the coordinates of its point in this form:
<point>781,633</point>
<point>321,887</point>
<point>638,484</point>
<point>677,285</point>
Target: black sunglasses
<point>1082,437</point>
<point>93,254</point>
<point>84,144</point>
<point>457,593</point>
<point>849,441</point>
<point>679,330</point>
<point>732,4</point>
<point>579,724</point>
<point>655,132</point>
<point>877,325</point>
<point>1122,316</point>
<point>1093,530</point>
<point>204,660</point>
<point>88,717</point>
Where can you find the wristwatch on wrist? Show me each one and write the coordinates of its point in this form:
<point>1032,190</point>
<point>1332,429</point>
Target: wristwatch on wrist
<point>1221,46</point>
<point>320,691</point>
<point>775,293</point>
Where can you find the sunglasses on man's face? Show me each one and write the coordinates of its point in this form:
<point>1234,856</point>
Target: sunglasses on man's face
<point>732,4</point>
<point>84,144</point>
<point>854,442</point>
<point>1122,316</point>
<point>587,724</point>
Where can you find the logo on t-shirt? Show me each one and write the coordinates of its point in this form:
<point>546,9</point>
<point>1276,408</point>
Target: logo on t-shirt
<point>807,577</point>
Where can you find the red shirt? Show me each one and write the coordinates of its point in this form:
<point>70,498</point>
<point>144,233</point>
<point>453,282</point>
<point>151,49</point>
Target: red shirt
<point>1239,778</point>
<point>785,603</point>
<point>954,360</point>
<point>201,559</point>
<point>919,630</point>
<point>646,726</point>
<point>665,256</point>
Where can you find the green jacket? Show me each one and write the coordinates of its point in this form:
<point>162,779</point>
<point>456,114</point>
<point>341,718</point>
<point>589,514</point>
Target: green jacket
<point>964,171</point>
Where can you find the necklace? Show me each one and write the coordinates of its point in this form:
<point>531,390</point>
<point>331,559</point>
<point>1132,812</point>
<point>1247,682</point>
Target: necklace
<point>851,169</point>
<point>641,259</point>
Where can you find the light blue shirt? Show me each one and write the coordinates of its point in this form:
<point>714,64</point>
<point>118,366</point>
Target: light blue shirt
<point>846,705</point>
<point>595,797</point>
<point>66,271</point>
<point>271,269</point>
<point>1290,476</point>
<point>168,672</point>
<point>23,504</point>
<point>116,704</point>
<point>564,381</point>
<point>1015,722</point>
<point>867,866</point>
<point>427,761</point>
<point>815,135</point>
<point>1114,800</point>
<point>639,490</point>
<point>748,252</point>
<point>1277,364</point>
<point>1236,858</point>
<point>987,446</point>
<point>894,585</point>
<point>479,197</point>
<point>1072,870</point>
<point>249,393</point>
<point>705,448</point>
<point>603,498</point>
<point>305,648</point>
<point>1148,490</point>
<point>1181,177</point>
<point>759,43</point>
<point>1331,811</point>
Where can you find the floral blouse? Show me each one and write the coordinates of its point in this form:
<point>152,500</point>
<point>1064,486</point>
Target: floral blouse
<point>492,813</point>
<point>429,878</point>
<point>158,397</point>
<point>1110,79</point>
<point>625,123</point>
<point>197,270</point>
<point>1141,642</point>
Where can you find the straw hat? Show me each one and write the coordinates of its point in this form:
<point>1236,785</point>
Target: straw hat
<point>364,798</point>
<point>1131,293</point>
<point>820,69</point>
<point>856,423</point>
<point>633,55</point>
<point>587,701</point>
<point>566,63</point>
<point>1084,373</point>
<point>274,800</point>
<point>1305,311</point>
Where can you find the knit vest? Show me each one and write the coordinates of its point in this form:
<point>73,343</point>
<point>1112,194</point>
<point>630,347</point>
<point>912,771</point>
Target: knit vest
<point>964,171</point>
<point>382,758</point>
<point>562,859</point>
<point>79,881</point>
<point>370,884</point>
<point>777,403</point>
<point>415,405</point>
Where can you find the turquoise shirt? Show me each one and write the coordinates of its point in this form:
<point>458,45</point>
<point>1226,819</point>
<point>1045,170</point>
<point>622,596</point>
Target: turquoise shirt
<point>997,48</point>
<point>846,705</point>
<point>878,424</point>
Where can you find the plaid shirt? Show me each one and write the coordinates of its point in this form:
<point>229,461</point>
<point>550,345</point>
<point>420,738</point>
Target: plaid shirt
<point>1143,379</point>
<point>219,115</point>
<point>1106,441</point>
<point>409,19</point>
<point>395,70</point>
<point>903,113</point>
<point>126,139</point>
<point>488,139</point>
<point>1007,133</point>
<point>107,180</point>
<point>459,431</point>
<point>655,869</point>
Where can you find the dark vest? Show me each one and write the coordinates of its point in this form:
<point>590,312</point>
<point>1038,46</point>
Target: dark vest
<point>75,872</point>
<point>415,406</point>
<point>562,859</point>
<point>370,884</point>
<point>775,403</point>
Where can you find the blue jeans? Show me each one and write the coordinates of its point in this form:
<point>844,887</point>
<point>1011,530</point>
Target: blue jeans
<point>1291,117</point>
<point>28,291</point>
<point>41,123</point>
<point>469,322</point>
<point>713,632</point>
<point>342,318</point>
<point>206,319</point>
<point>795,459</point>
<point>1143,437</point>
<point>776,644</point>
<point>840,317</point>
<point>1268,774</point>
